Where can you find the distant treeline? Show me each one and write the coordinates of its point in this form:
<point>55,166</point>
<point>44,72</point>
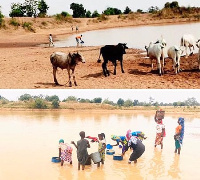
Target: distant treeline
<point>43,102</point>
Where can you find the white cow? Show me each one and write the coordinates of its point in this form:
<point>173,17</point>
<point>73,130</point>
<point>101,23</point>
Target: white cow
<point>174,53</point>
<point>155,51</point>
<point>198,45</point>
<point>188,40</point>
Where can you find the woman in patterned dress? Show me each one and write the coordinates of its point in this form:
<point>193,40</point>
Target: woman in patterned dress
<point>179,134</point>
<point>101,148</point>
<point>160,132</point>
<point>65,152</point>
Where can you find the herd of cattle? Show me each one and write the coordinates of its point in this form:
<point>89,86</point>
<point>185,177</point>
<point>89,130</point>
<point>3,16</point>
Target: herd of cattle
<point>115,52</point>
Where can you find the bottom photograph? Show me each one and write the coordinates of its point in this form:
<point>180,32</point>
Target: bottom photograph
<point>99,134</point>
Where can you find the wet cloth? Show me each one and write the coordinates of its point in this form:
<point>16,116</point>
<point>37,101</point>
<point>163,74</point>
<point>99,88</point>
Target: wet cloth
<point>100,147</point>
<point>66,152</point>
<point>82,154</point>
<point>137,146</point>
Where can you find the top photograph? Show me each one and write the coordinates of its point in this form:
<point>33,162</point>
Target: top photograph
<point>92,44</point>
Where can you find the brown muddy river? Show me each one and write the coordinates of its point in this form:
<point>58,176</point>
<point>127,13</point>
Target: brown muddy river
<point>28,140</point>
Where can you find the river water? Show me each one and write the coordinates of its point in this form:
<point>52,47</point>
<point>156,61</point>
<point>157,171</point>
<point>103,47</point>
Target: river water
<point>28,140</point>
<point>135,37</point>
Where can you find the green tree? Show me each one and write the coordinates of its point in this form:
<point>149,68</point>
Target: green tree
<point>65,14</point>
<point>39,104</point>
<point>42,7</point>
<point>31,8</point>
<point>191,102</point>
<point>140,11</point>
<point>120,102</point>
<point>78,10</point>
<point>55,103</point>
<point>17,10</point>
<point>70,98</point>
<point>135,102</point>
<point>128,103</point>
<point>88,14</point>
<point>127,10</point>
<point>52,98</point>
<point>174,4</point>
<point>95,14</point>
<point>1,18</point>
<point>107,101</point>
<point>97,100</point>
<point>153,9</point>
<point>112,11</point>
<point>25,97</point>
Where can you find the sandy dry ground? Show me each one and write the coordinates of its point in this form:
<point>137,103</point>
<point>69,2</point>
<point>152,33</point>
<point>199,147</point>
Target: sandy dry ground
<point>27,66</point>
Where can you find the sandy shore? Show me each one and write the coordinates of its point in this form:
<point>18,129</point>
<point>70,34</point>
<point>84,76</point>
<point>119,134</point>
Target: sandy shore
<point>24,65</point>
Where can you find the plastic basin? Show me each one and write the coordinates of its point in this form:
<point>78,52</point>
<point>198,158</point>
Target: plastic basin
<point>110,152</point>
<point>55,159</point>
<point>117,157</point>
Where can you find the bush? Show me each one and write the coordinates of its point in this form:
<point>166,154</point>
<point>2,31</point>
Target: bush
<point>14,22</point>
<point>39,104</point>
<point>1,19</point>
<point>28,26</point>
<point>55,104</point>
<point>102,17</point>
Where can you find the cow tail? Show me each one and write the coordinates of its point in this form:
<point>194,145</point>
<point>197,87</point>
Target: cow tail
<point>99,60</point>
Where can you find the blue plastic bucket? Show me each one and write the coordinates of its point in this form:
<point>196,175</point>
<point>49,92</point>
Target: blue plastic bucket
<point>108,146</point>
<point>55,159</point>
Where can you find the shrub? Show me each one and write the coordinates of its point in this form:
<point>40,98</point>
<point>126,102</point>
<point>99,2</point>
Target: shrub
<point>39,104</point>
<point>102,17</point>
<point>44,23</point>
<point>28,26</point>
<point>55,104</point>
<point>1,19</point>
<point>14,22</point>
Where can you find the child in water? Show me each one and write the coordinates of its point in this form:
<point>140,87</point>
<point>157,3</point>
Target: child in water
<point>65,152</point>
<point>101,148</point>
<point>82,153</point>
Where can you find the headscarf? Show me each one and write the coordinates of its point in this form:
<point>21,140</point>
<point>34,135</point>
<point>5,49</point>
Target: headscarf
<point>61,141</point>
<point>128,134</point>
<point>181,122</point>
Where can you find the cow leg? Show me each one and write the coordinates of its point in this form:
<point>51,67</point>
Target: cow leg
<point>70,83</point>
<point>159,66</point>
<point>104,69</point>
<point>186,47</point>
<point>115,64</point>
<point>54,75</point>
<point>163,64</point>
<point>73,75</point>
<point>151,64</point>
<point>122,66</point>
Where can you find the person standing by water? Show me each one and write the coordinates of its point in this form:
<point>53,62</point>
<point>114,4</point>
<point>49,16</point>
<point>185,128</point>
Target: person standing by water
<point>79,40</point>
<point>179,134</point>
<point>82,153</point>
<point>160,132</point>
<point>138,148</point>
<point>101,148</point>
<point>65,152</point>
<point>50,40</point>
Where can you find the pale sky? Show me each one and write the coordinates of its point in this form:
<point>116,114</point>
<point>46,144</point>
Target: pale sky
<point>57,6</point>
<point>159,95</point>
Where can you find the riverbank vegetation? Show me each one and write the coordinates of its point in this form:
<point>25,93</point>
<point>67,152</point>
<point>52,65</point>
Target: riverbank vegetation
<point>27,101</point>
<point>38,10</point>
